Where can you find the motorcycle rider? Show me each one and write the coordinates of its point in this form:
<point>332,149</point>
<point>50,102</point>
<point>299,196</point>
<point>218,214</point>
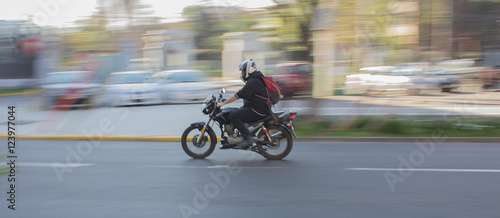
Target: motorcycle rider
<point>254,108</point>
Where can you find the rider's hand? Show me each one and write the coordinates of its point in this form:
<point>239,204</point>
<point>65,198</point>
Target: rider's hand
<point>220,104</point>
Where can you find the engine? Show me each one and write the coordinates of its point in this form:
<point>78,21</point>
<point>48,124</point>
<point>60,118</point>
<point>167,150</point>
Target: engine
<point>233,134</point>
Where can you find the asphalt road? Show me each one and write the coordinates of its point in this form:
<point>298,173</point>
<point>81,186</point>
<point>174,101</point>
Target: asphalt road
<point>147,179</point>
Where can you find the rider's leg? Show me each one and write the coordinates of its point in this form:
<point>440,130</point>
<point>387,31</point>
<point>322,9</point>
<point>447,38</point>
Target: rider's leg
<point>238,118</point>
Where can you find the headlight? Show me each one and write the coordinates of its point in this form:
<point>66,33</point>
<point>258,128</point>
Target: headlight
<point>207,105</point>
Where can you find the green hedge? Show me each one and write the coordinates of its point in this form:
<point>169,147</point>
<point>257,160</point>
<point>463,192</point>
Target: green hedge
<point>380,126</point>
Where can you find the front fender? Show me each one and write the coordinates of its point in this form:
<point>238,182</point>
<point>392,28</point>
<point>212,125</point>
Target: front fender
<point>209,130</point>
<point>198,125</point>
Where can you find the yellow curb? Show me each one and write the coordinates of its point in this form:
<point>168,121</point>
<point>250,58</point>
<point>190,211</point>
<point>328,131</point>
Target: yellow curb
<point>97,138</point>
<point>22,93</point>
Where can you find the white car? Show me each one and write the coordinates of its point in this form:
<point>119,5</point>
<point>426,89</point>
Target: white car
<point>399,79</point>
<point>131,88</point>
<point>181,86</point>
<point>376,79</point>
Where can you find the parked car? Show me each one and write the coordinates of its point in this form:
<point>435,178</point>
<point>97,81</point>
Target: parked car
<point>476,69</point>
<point>70,89</point>
<point>180,86</point>
<point>131,88</point>
<point>411,78</point>
<point>490,79</point>
<point>447,80</point>
<point>294,78</point>
<point>434,77</point>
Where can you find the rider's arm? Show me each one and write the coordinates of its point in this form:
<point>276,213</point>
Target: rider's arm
<point>245,93</point>
<point>227,101</point>
<point>248,90</point>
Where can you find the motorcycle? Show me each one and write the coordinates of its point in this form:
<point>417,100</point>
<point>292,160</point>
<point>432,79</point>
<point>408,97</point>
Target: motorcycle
<point>272,134</point>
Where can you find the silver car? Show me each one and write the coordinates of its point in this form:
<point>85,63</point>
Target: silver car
<point>184,86</point>
<point>131,88</point>
<point>403,79</point>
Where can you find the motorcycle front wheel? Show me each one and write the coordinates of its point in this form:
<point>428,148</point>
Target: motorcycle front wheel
<point>197,150</point>
<point>279,147</point>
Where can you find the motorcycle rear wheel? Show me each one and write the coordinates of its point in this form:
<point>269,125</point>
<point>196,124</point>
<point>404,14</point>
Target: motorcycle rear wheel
<point>280,146</point>
<point>198,150</point>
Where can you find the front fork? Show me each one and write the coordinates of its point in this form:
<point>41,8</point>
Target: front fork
<point>203,130</point>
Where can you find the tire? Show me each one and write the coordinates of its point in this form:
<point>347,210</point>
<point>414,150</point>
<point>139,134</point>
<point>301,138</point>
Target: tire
<point>90,102</point>
<point>445,89</point>
<point>284,137</point>
<point>189,145</point>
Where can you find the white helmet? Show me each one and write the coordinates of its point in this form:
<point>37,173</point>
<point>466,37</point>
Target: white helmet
<point>246,68</point>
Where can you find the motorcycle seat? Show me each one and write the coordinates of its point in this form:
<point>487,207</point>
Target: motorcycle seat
<point>269,117</point>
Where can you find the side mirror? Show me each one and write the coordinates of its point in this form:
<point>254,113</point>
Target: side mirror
<point>223,90</point>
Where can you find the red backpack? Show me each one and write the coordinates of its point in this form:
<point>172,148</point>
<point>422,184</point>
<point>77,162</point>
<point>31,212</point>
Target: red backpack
<point>273,91</point>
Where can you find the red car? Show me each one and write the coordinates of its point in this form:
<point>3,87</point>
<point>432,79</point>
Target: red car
<point>294,78</point>
<point>489,78</point>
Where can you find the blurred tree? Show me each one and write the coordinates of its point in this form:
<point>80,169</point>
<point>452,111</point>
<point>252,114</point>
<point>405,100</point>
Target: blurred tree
<point>297,17</point>
<point>210,22</point>
<point>204,24</point>
<point>128,12</point>
<point>361,26</point>
<point>92,34</point>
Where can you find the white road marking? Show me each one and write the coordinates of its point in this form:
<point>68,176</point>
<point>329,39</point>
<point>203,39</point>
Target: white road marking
<point>34,164</point>
<point>184,167</point>
<point>171,152</point>
<point>427,170</point>
<point>210,167</point>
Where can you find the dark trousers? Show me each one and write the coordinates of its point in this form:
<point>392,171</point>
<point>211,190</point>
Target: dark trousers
<point>243,115</point>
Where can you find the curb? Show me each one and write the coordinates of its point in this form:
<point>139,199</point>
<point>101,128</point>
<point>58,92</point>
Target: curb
<point>22,93</point>
<point>300,139</point>
<point>96,138</point>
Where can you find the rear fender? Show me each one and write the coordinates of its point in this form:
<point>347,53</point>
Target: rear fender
<point>290,130</point>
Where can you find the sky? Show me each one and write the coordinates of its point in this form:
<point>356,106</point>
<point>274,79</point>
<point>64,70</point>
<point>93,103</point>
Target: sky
<point>62,13</point>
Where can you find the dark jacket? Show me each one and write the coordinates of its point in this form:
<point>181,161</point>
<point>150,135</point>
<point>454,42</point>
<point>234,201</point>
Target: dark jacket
<point>254,86</point>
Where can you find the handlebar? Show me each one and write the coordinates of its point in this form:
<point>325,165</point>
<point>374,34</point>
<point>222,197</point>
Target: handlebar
<point>221,97</point>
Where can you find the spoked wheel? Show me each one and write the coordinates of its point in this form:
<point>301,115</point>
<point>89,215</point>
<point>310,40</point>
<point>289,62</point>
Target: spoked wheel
<point>279,147</point>
<point>194,149</point>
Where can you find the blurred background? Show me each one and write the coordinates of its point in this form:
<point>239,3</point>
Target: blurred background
<point>358,70</point>
<point>313,48</point>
